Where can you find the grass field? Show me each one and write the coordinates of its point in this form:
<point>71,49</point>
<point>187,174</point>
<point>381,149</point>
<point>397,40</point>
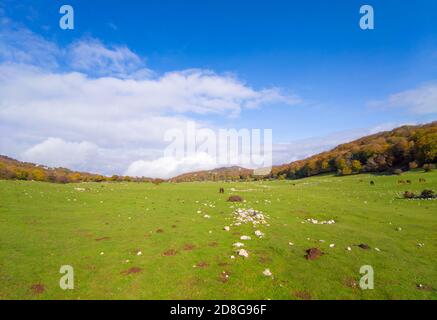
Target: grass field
<point>100,230</point>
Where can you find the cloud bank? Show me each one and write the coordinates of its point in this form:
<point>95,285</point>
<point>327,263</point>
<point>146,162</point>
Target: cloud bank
<point>96,107</point>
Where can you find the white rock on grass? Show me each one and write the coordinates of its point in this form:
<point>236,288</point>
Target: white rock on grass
<point>243,253</point>
<point>349,249</point>
<point>226,228</point>
<point>139,253</point>
<point>267,273</point>
<point>332,245</point>
<point>377,249</point>
<point>291,244</point>
<point>259,234</point>
<point>238,244</point>
<point>232,257</point>
<point>207,216</point>
<point>245,238</point>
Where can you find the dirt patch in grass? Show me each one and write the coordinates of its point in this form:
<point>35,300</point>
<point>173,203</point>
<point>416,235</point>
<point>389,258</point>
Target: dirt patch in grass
<point>236,233</point>
<point>202,264</point>
<point>350,283</point>
<point>37,288</point>
<point>364,246</point>
<point>102,238</point>
<point>213,244</point>
<point>132,270</point>
<point>303,295</point>
<point>224,276</point>
<point>189,247</point>
<point>424,287</point>
<point>264,259</point>
<point>170,252</point>
<point>313,254</point>
<point>159,231</point>
<point>235,199</point>
<point>223,264</point>
<point>173,226</point>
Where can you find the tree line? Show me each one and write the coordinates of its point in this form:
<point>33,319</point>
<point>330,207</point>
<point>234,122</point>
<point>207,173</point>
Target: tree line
<point>395,151</point>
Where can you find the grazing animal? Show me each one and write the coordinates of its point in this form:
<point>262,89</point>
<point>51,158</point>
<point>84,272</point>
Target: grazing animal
<point>422,180</point>
<point>222,190</point>
<point>372,183</point>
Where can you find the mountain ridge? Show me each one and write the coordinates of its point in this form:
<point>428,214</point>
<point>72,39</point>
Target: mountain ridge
<point>403,148</point>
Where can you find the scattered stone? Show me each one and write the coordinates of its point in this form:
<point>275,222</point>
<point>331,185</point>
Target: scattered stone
<point>315,221</point>
<point>349,249</point>
<point>139,253</point>
<point>424,287</point>
<point>232,257</point>
<point>420,245</point>
<point>102,253</point>
<point>259,234</point>
<point>291,244</point>
<point>238,244</point>
<point>267,273</point>
<point>398,229</point>
<point>377,249</point>
<point>226,228</point>
<point>243,253</point>
<point>207,216</point>
<point>243,216</point>
<point>332,245</point>
<point>313,254</point>
<point>245,238</point>
<point>224,276</point>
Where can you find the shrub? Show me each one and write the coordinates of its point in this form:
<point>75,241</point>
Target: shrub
<point>235,199</point>
<point>397,172</point>
<point>428,167</point>
<point>409,195</point>
<point>427,194</point>
<point>413,165</point>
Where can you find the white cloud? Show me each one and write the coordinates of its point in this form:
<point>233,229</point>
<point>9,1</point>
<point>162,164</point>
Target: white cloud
<point>55,152</point>
<point>19,45</point>
<point>421,100</point>
<point>167,167</point>
<point>93,99</point>
<point>92,57</point>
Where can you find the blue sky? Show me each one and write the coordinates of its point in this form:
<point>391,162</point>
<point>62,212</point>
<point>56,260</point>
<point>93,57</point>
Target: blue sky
<point>344,81</point>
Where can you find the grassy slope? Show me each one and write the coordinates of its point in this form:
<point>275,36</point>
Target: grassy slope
<point>40,230</point>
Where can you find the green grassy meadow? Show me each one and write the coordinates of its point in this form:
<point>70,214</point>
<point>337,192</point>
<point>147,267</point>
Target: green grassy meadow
<point>99,232</point>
